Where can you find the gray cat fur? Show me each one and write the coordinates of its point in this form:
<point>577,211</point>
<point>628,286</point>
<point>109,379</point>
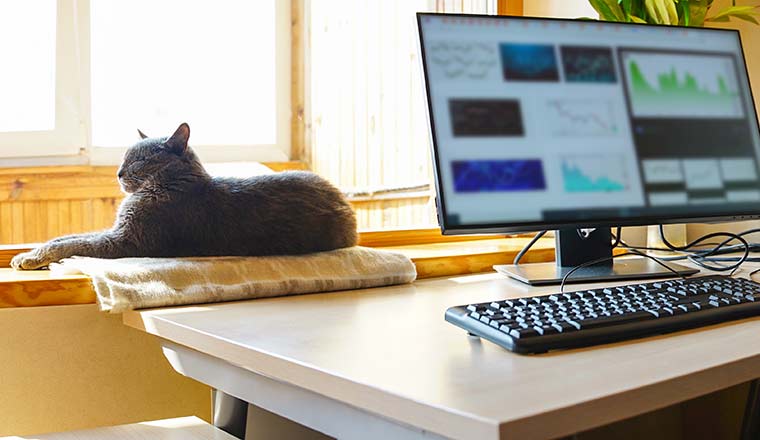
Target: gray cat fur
<point>174,208</point>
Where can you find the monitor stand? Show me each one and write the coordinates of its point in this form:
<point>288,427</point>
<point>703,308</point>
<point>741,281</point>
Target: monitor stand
<point>572,250</point>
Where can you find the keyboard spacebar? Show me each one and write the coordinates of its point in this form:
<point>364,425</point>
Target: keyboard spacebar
<point>608,321</point>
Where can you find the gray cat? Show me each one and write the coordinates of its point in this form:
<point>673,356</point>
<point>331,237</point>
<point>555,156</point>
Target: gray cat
<point>174,208</point>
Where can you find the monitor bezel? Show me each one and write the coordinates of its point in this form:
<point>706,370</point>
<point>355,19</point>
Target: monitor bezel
<point>528,226</point>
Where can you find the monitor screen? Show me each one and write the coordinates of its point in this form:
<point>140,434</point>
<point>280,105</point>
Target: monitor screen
<point>545,123</point>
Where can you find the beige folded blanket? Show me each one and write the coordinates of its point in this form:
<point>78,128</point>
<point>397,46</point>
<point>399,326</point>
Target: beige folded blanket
<point>134,283</point>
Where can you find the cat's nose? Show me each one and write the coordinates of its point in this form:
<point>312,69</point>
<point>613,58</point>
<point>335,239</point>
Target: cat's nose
<point>120,173</point>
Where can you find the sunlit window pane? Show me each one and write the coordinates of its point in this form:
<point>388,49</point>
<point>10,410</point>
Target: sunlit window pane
<point>158,63</point>
<point>368,118</point>
<point>27,75</point>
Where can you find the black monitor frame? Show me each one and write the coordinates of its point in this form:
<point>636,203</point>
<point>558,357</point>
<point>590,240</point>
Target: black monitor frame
<point>598,222</point>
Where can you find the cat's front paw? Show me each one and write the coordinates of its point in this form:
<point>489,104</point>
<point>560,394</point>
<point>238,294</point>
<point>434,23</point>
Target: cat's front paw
<point>28,261</point>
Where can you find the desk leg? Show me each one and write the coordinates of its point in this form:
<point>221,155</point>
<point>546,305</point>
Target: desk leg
<point>229,413</point>
<point>751,421</point>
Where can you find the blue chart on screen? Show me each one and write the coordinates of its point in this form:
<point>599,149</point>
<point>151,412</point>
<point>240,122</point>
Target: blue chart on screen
<point>602,173</point>
<point>588,64</point>
<point>498,175</point>
<point>529,62</point>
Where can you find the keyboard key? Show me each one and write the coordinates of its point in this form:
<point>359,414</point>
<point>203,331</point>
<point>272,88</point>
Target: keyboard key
<point>523,333</point>
<point>615,320</point>
<point>654,313</point>
<point>506,328</point>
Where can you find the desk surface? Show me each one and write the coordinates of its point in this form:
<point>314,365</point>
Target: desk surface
<point>389,351</point>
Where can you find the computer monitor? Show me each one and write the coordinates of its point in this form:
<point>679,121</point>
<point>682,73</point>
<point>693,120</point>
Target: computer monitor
<point>563,124</point>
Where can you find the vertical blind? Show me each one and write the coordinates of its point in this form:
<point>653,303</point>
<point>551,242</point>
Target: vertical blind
<point>367,110</point>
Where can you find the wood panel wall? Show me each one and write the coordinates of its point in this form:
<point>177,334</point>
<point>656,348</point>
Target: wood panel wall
<point>37,204</point>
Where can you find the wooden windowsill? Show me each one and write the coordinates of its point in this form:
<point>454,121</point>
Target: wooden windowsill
<point>41,288</point>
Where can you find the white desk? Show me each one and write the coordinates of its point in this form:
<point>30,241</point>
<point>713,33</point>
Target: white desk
<point>382,363</point>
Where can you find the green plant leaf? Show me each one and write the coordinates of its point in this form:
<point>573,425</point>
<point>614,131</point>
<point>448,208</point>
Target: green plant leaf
<point>657,11</point>
<point>747,17</point>
<point>745,13</point>
<point>698,11</point>
<point>684,13</point>
<point>733,10</point>
<point>638,9</point>
<point>608,10</point>
<point>626,6</point>
<point>670,7</point>
<point>636,19</point>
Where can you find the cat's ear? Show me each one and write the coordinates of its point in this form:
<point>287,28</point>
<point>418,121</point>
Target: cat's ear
<point>142,135</point>
<point>177,143</point>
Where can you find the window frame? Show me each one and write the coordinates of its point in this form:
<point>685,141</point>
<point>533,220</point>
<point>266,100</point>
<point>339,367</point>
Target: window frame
<point>462,254</point>
<point>71,140</point>
<point>67,137</point>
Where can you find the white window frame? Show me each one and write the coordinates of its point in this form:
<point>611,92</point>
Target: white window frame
<point>70,142</point>
<point>67,137</point>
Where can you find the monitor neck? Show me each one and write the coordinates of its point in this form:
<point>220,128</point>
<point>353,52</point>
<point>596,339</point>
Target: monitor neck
<point>572,249</point>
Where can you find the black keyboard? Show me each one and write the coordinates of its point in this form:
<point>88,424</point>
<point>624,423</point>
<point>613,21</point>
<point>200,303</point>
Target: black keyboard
<point>589,317</point>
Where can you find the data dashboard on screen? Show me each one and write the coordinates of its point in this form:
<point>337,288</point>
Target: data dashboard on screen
<point>538,121</point>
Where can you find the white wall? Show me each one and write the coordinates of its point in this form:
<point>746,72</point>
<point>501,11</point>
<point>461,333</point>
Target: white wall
<point>558,8</point>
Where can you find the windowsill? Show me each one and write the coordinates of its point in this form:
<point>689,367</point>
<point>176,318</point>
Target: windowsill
<point>41,288</point>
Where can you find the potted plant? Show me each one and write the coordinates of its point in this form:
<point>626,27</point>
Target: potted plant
<point>674,12</point>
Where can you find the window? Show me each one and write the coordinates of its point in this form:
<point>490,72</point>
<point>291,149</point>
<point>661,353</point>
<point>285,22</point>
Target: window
<point>40,106</point>
<point>367,115</point>
<point>86,74</point>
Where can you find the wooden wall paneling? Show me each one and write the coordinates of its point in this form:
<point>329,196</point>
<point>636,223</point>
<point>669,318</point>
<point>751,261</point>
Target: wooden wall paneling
<point>40,225</point>
<point>17,222</point>
<point>6,223</point>
<point>40,203</point>
<point>64,216</point>
<point>26,223</point>
<point>509,7</point>
<point>53,219</point>
<point>31,220</point>
<point>99,214</point>
<point>76,224</point>
<point>300,149</point>
<point>88,223</point>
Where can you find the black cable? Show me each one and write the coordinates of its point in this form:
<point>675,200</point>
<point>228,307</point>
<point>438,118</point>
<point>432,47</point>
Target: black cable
<point>753,272</point>
<point>724,250</point>
<point>740,234</point>
<point>699,259</point>
<point>603,259</point>
<point>525,249</point>
<point>618,237</point>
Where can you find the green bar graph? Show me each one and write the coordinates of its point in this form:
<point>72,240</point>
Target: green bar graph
<point>682,86</point>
